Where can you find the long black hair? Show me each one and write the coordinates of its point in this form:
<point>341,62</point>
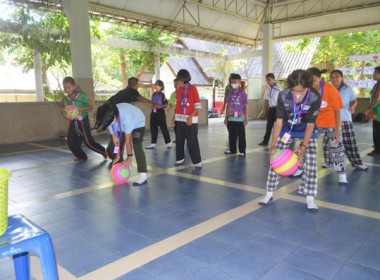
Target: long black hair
<point>105,115</point>
<point>300,78</point>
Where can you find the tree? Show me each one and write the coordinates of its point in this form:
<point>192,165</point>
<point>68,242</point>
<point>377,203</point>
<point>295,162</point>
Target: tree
<point>334,51</point>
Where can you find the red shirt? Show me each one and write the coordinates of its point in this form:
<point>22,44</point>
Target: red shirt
<point>186,102</point>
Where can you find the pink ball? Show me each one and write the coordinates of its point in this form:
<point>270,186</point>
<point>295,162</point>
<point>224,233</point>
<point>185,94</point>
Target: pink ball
<point>120,173</point>
<point>285,162</point>
<point>71,112</point>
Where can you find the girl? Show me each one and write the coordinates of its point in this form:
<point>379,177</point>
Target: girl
<point>329,122</point>
<point>349,103</point>
<point>236,116</point>
<point>79,129</point>
<point>158,117</point>
<point>186,117</point>
<point>297,110</point>
<point>125,120</point>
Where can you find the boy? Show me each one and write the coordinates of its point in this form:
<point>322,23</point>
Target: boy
<point>186,117</point>
<point>374,112</point>
<point>270,96</point>
<point>236,116</point>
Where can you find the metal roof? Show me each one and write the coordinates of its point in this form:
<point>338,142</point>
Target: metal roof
<point>234,22</point>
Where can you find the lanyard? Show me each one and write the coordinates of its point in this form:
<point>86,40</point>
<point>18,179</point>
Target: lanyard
<point>298,110</point>
<point>322,84</point>
<point>236,107</point>
<point>271,88</point>
<point>340,87</point>
<point>184,98</point>
<point>156,97</point>
<point>118,136</point>
<point>73,99</point>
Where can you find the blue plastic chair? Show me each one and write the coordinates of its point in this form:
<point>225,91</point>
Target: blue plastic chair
<point>22,237</point>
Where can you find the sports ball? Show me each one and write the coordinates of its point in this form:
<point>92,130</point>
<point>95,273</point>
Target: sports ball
<point>284,162</point>
<point>71,112</point>
<point>120,173</point>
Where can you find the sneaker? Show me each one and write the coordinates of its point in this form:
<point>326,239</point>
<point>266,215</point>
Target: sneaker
<point>297,173</point>
<point>151,146</point>
<point>169,145</point>
<point>180,162</point>
<point>228,152</point>
<point>242,155</point>
<point>326,165</point>
<point>198,166</point>
<point>263,144</point>
<point>362,167</point>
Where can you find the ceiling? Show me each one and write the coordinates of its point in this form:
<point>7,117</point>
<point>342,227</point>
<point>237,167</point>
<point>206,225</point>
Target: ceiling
<point>236,22</point>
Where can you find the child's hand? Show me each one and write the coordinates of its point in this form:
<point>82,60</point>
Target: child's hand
<point>300,152</point>
<point>189,121</point>
<point>336,136</point>
<point>128,161</point>
<point>272,151</point>
<point>245,121</point>
<point>225,122</point>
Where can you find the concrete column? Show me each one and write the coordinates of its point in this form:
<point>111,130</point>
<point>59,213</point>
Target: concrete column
<point>267,66</point>
<point>77,14</point>
<point>38,76</point>
<point>157,66</point>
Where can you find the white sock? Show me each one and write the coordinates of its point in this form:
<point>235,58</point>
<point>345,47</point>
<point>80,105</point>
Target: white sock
<point>266,198</point>
<point>142,178</point>
<point>169,145</point>
<point>342,178</point>
<point>310,203</point>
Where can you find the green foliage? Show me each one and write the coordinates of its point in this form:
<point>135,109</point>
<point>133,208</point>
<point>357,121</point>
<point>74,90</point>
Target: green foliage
<point>152,37</point>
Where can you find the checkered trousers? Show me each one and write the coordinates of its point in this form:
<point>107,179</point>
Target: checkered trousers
<point>349,143</point>
<point>309,177</point>
<point>340,166</point>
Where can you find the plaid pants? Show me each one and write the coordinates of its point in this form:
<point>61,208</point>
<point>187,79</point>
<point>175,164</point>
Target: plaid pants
<point>329,135</point>
<point>309,177</point>
<point>349,143</point>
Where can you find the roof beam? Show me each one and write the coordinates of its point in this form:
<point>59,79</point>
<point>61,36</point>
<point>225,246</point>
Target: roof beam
<point>244,55</point>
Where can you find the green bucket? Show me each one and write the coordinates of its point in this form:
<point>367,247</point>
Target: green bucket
<point>4,176</point>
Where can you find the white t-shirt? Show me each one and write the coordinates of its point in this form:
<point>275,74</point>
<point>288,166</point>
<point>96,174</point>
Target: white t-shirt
<point>271,94</point>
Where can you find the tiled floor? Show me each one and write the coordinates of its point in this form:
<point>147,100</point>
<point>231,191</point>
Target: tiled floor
<point>188,224</point>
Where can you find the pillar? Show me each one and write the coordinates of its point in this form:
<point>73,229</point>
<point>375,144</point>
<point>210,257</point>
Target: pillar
<point>38,76</point>
<point>157,66</point>
<point>80,37</point>
<point>267,62</point>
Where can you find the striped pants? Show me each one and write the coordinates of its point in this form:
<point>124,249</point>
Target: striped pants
<point>340,166</point>
<point>309,177</point>
<point>349,142</point>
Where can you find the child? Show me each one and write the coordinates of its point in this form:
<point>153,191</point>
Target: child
<point>236,116</point>
<point>270,96</point>
<point>186,116</point>
<point>158,116</point>
<point>79,129</point>
<point>125,120</point>
<point>374,113</point>
<point>127,95</point>
<point>329,122</point>
<point>297,110</point>
<point>349,103</point>
<point>172,101</point>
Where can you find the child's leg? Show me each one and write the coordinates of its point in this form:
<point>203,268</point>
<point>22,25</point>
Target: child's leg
<point>164,127</point>
<point>273,177</point>
<point>232,136</point>
<point>88,139</point>
<point>349,142</point>
<point>193,144</point>
<point>180,140</point>
<point>74,140</point>
<point>242,141</point>
<point>326,145</point>
<point>308,185</point>
<point>153,127</point>
<point>137,140</point>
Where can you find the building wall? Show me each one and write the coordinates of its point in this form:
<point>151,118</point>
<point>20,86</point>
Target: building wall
<point>34,121</point>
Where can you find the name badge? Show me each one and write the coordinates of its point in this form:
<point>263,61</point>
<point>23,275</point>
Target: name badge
<point>80,118</point>
<point>116,150</point>
<point>154,110</point>
<point>306,107</point>
<point>285,138</point>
